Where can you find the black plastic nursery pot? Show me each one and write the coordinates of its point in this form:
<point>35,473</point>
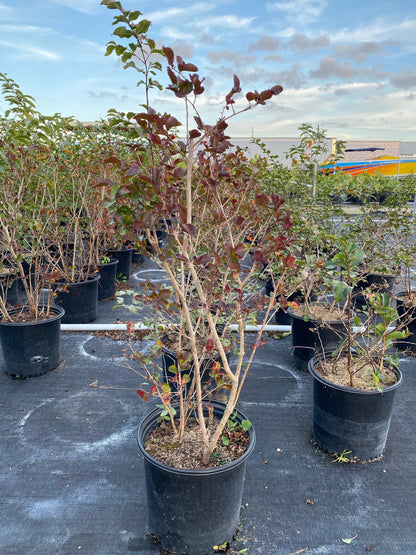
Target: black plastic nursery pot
<point>348,419</point>
<point>31,348</point>
<point>79,300</point>
<point>379,283</point>
<point>137,257</point>
<point>170,364</point>
<point>9,289</point>
<point>407,316</point>
<point>191,511</point>
<point>107,282</point>
<point>312,337</point>
<point>124,257</point>
<point>282,316</point>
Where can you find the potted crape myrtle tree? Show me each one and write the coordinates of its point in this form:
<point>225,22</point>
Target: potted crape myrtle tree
<point>354,385</point>
<point>69,187</point>
<point>207,200</point>
<point>30,326</point>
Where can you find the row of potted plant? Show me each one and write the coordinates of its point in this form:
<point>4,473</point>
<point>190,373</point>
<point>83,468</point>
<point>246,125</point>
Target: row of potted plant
<point>218,223</point>
<point>229,221</point>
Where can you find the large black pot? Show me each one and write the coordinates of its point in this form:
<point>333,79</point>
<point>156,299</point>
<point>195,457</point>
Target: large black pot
<point>350,419</point>
<point>9,288</point>
<point>407,317</point>
<point>124,257</point>
<point>79,300</point>
<point>282,316</point>
<point>107,282</point>
<point>312,337</point>
<point>170,364</point>
<point>379,283</point>
<point>190,511</point>
<point>31,348</point>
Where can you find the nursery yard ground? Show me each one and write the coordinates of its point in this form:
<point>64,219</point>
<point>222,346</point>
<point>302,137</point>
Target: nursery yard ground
<point>72,479</point>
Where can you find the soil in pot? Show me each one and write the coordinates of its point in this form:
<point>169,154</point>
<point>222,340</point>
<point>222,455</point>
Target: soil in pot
<point>161,446</point>
<point>363,374</point>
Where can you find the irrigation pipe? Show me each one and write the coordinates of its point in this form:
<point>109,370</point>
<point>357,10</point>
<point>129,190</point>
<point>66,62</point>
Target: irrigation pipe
<point>140,326</point>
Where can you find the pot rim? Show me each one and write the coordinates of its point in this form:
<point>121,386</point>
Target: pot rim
<point>112,262</point>
<point>54,308</point>
<point>124,249</point>
<point>314,320</point>
<point>90,278</point>
<point>324,381</point>
<point>148,420</point>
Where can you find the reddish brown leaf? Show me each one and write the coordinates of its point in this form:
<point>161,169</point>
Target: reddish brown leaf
<point>190,229</point>
<point>194,133</point>
<point>203,259</point>
<point>142,394</point>
<point>277,89</point>
<point>169,54</point>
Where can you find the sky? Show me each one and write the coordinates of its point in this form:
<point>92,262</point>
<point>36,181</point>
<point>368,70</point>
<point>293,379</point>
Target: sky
<point>347,66</point>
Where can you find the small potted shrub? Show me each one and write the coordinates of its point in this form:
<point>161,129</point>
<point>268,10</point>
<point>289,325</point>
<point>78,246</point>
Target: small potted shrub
<point>354,385</point>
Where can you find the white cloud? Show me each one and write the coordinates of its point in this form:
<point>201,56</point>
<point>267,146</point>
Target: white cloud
<point>377,30</point>
<point>8,28</point>
<point>83,6</point>
<point>196,9</point>
<point>27,51</point>
<point>227,21</point>
<point>5,11</point>
<point>301,11</point>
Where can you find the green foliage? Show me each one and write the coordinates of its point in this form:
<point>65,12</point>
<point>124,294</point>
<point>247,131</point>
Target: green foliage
<point>342,457</point>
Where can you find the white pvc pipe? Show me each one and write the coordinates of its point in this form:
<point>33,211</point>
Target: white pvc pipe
<point>140,326</point>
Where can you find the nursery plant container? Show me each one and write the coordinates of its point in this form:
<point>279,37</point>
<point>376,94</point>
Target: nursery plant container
<point>282,316</point>
<point>107,282</point>
<point>312,337</point>
<point>407,316</point>
<point>137,257</point>
<point>379,283</point>
<point>350,419</point>
<point>31,348</point>
<point>9,288</point>
<point>124,257</point>
<point>79,300</point>
<point>191,511</point>
<point>170,359</point>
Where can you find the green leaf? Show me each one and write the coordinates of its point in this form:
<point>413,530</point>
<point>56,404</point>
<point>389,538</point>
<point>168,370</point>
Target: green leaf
<point>110,49</point>
<point>143,26</point>
<point>225,440</point>
<point>246,425</point>
<point>341,291</point>
<point>120,49</point>
<point>134,15</point>
<point>111,5</point>
<point>123,32</point>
